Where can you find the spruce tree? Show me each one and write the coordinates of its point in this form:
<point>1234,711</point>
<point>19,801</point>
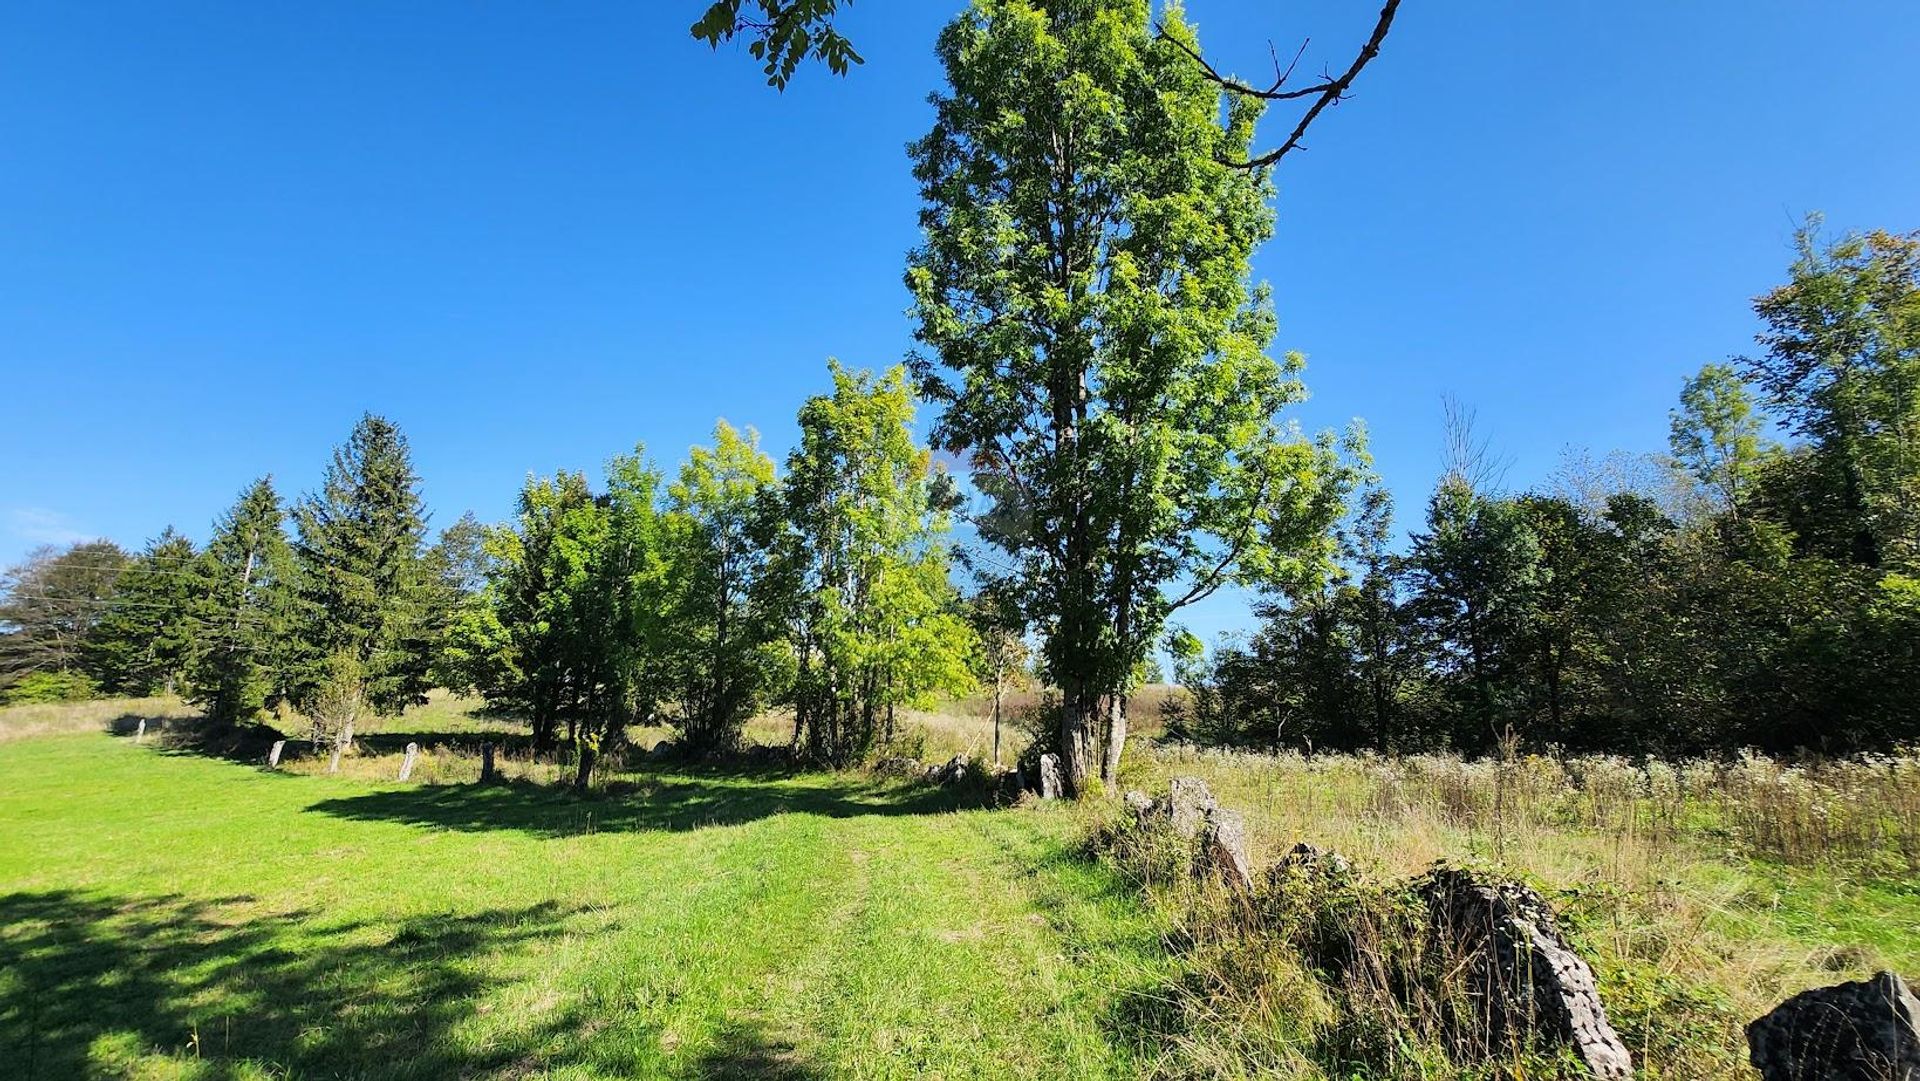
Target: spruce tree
<point>142,643</point>
<point>240,619</point>
<point>365,587</point>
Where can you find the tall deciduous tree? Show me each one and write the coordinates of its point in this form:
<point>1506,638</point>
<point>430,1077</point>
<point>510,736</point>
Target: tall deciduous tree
<point>244,617</point>
<point>719,662</point>
<point>1715,435</point>
<point>1842,368</point>
<point>366,587</point>
<point>876,624</point>
<point>49,605</point>
<point>1101,356</point>
<point>144,640</point>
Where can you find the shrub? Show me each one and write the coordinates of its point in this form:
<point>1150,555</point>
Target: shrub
<point>50,687</point>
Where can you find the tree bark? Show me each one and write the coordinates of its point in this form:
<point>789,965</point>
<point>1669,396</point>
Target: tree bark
<point>1077,707</point>
<point>1116,740</point>
<point>585,776</point>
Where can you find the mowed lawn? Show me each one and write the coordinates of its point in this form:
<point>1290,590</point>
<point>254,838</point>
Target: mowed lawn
<point>168,915</point>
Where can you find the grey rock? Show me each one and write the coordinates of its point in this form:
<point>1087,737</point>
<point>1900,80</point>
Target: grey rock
<point>1312,864</point>
<point>487,773</point>
<point>1865,1030</point>
<point>662,749</point>
<point>1141,805</point>
<point>273,755</point>
<point>1223,847</point>
<point>406,764</point>
<point>899,766</point>
<point>954,770</point>
<point>1050,784</point>
<point>1525,979</point>
<point>140,733</point>
<point>1188,801</point>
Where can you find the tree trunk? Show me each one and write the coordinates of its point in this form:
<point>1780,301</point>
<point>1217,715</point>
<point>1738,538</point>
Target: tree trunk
<point>1077,707</point>
<point>1116,740</point>
<point>587,756</point>
<point>340,746</point>
<point>996,723</point>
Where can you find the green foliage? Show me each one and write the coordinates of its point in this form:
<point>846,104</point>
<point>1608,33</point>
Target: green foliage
<point>365,584</point>
<point>49,687</point>
<point>1842,369</point>
<point>1083,291</point>
<point>50,604</point>
<point>874,619</point>
<point>244,616</point>
<point>784,33</point>
<point>143,641</point>
<point>1715,434</point>
<point>720,656</point>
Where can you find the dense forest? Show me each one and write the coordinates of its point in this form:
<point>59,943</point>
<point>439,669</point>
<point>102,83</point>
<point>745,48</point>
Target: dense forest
<point>1737,592</point>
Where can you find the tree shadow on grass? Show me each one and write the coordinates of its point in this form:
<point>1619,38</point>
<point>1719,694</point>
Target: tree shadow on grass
<point>685,799</point>
<point>91,983</point>
<point>746,1049</point>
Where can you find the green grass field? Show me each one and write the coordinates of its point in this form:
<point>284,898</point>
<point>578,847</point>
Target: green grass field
<point>166,912</point>
<point>171,915</point>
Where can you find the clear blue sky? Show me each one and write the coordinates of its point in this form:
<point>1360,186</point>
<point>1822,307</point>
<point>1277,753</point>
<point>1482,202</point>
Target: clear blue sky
<point>534,234</point>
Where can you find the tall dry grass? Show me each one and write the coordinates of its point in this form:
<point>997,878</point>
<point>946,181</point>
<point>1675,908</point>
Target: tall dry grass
<point>1703,892</point>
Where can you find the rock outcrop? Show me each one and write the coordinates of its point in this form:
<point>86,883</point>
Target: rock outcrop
<point>1188,801</point>
<point>1522,978</point>
<point>1866,1030</point>
<point>1223,847</point>
<point>1050,784</point>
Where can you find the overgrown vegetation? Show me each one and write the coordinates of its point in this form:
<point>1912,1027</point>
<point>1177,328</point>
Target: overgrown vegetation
<point>1742,593</point>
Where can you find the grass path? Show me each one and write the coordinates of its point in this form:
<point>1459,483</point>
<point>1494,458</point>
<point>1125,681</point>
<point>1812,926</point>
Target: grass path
<point>166,915</point>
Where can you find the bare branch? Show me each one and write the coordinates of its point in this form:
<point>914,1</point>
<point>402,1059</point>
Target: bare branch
<point>1326,92</point>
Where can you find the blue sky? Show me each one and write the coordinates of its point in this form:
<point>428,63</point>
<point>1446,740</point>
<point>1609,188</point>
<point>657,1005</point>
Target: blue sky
<point>536,234</point>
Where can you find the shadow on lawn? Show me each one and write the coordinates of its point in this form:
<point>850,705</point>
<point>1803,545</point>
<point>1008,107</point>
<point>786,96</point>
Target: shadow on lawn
<point>249,744</point>
<point>89,983</point>
<point>682,800</point>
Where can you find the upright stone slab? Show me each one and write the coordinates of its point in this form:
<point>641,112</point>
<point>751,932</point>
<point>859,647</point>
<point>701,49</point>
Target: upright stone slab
<point>273,755</point>
<point>406,764</point>
<point>486,762</point>
<point>1867,1030</point>
<point>1527,981</point>
<point>1188,801</point>
<point>1223,847</point>
<point>1050,786</point>
<point>1140,805</point>
<point>140,733</point>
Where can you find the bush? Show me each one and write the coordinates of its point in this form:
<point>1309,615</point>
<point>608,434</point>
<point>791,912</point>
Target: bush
<point>50,687</point>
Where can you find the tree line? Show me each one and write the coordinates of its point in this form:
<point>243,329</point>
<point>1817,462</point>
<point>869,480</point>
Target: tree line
<point>1099,361</point>
<point>326,605</point>
<point>1739,592</point>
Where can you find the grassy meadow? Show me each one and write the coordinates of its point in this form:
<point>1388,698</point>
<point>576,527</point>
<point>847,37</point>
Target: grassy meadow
<point>170,910</point>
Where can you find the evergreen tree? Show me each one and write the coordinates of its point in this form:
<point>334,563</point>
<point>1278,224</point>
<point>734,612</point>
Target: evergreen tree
<point>365,585</point>
<point>242,617</point>
<point>143,641</point>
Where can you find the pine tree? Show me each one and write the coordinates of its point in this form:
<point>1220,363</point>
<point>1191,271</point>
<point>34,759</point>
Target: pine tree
<point>143,642</point>
<point>366,588</point>
<point>241,618</point>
